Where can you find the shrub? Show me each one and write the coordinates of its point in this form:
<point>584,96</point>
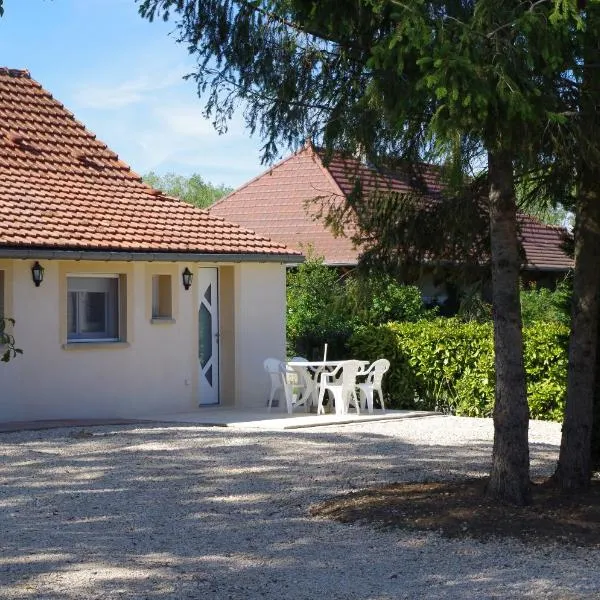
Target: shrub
<point>546,361</point>
<point>314,312</point>
<point>448,365</point>
<point>542,304</point>
<point>537,304</point>
<point>324,308</point>
<point>472,306</point>
<point>381,299</point>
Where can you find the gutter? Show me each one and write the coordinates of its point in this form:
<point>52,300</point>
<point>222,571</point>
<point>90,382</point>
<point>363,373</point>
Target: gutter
<point>450,264</point>
<point>105,255</point>
<point>548,269</point>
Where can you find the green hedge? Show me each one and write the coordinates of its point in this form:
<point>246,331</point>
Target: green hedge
<point>448,365</point>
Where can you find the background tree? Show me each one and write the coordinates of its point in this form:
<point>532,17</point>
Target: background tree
<point>315,310</point>
<point>556,216</point>
<point>458,81</point>
<point>192,189</point>
<point>378,299</point>
<point>545,305</point>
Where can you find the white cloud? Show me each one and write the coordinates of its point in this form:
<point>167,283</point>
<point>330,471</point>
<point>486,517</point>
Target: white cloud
<point>177,131</point>
<point>185,120</point>
<point>154,120</point>
<point>187,143</point>
<point>133,91</point>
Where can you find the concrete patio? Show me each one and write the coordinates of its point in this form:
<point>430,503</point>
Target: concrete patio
<point>277,420</point>
<point>219,416</point>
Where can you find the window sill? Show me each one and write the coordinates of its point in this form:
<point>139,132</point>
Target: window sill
<point>162,321</point>
<point>70,346</point>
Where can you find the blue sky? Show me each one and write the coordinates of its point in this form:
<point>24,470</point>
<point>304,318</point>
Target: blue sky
<point>122,77</point>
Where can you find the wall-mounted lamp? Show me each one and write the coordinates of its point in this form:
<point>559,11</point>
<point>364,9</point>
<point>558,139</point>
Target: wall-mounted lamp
<point>187,277</point>
<point>37,273</point>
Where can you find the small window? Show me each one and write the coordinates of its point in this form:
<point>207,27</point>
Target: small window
<point>161,297</point>
<point>93,308</point>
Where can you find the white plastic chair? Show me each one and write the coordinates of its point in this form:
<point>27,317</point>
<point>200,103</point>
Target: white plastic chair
<point>306,382</point>
<point>278,373</point>
<point>343,389</point>
<point>372,384</point>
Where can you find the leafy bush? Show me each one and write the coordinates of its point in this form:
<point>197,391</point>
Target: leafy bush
<point>314,311</point>
<point>542,304</point>
<point>325,308</point>
<point>448,365</point>
<point>546,361</point>
<point>472,306</point>
<point>537,304</point>
<point>381,299</point>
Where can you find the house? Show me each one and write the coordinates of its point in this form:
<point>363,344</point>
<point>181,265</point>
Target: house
<point>280,204</point>
<point>127,302</point>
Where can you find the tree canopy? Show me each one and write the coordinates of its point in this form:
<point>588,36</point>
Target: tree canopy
<point>192,189</point>
<point>471,84</point>
<point>389,78</point>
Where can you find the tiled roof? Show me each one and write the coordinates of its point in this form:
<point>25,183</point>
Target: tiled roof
<point>61,188</point>
<point>346,171</point>
<point>543,245</point>
<point>280,204</point>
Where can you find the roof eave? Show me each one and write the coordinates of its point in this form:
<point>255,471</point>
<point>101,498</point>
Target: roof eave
<point>114,255</point>
<point>553,268</point>
<point>340,263</point>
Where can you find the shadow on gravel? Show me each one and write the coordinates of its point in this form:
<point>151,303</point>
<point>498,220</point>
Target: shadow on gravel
<point>460,509</point>
<point>185,512</point>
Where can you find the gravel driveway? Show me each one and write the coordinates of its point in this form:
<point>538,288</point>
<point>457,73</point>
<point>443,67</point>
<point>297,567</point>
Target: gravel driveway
<point>164,511</point>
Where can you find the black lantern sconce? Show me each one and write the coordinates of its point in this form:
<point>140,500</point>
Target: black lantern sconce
<point>187,277</point>
<point>37,273</point>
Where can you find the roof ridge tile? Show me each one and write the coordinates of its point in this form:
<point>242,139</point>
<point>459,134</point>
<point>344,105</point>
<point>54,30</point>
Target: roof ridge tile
<point>15,72</point>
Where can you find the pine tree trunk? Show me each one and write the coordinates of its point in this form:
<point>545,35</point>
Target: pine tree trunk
<point>574,469</point>
<point>596,417</point>
<point>509,477</point>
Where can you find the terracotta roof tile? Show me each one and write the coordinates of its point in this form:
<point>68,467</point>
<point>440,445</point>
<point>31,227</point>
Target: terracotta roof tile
<point>280,204</point>
<point>62,188</point>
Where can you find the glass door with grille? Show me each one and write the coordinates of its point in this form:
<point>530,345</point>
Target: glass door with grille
<point>208,335</point>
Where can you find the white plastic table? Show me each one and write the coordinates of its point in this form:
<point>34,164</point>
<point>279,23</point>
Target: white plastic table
<point>317,367</point>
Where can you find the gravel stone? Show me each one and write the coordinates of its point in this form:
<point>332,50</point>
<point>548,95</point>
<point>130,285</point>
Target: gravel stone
<point>170,511</point>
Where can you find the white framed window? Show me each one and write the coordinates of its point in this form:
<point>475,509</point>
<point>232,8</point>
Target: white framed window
<point>93,308</point>
<point>162,305</point>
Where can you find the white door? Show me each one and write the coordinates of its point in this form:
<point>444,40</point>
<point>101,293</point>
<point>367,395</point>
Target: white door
<point>208,335</point>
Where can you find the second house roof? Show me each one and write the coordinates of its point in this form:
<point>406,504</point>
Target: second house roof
<point>280,203</point>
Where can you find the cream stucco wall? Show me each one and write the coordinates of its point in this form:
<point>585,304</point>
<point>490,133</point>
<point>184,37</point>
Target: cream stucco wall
<point>259,328</point>
<point>154,369</point>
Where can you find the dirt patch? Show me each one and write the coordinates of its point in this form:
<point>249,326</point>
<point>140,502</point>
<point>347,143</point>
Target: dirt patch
<point>459,509</point>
